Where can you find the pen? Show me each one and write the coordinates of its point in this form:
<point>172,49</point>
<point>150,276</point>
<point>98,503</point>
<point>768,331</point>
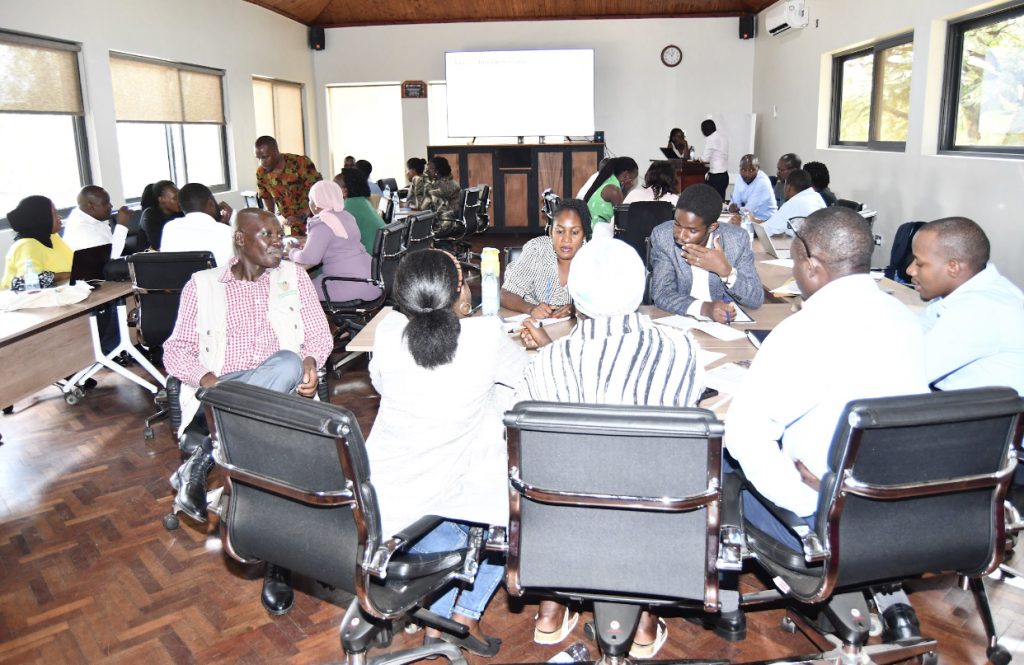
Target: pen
<point>728,317</point>
<point>548,298</point>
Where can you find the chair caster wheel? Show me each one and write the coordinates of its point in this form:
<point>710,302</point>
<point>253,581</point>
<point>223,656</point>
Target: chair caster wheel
<point>997,655</point>
<point>787,625</point>
<point>147,433</point>
<point>336,374</point>
<point>171,521</point>
<point>590,631</point>
<point>72,398</point>
<point>8,410</point>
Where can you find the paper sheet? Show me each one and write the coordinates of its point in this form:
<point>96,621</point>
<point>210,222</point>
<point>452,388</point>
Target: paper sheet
<point>55,297</point>
<point>726,379</point>
<point>514,323</point>
<point>716,330</point>
<point>741,315</point>
<point>789,288</point>
<point>782,263</point>
<point>705,357</point>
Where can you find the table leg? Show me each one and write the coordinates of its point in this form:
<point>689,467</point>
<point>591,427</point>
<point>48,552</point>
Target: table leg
<point>124,345</point>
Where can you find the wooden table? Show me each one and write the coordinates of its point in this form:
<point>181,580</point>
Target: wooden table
<point>43,345</point>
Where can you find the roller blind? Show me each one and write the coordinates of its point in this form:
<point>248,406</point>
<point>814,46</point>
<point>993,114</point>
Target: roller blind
<point>279,113</point>
<point>39,77</point>
<point>151,91</point>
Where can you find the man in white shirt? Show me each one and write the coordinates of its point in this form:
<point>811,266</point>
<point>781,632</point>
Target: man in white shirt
<point>788,162</point>
<point>716,156</point>
<point>88,225</point>
<point>754,190</point>
<point>850,341</point>
<point>205,226</point>
<point>974,325</point>
<point>801,201</point>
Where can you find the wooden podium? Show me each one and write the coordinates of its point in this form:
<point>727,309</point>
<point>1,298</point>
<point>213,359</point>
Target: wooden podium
<point>689,173</point>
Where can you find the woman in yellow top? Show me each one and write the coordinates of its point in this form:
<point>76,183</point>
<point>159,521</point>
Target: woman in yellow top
<point>36,222</point>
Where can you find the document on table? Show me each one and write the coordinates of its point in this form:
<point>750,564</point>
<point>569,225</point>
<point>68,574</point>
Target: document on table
<point>726,379</point>
<point>716,330</point>
<point>741,315</point>
<point>514,323</point>
<point>789,288</point>
<point>705,357</point>
<point>782,263</point>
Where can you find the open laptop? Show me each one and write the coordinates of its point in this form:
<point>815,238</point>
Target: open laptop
<point>766,241</point>
<point>87,264</point>
<point>669,154</point>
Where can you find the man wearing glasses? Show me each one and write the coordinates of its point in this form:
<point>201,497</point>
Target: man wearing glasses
<point>801,201</point>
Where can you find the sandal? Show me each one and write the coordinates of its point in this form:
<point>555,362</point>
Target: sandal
<point>647,651</point>
<point>474,645</point>
<point>556,636</point>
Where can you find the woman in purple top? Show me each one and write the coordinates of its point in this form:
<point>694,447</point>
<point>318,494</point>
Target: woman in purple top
<point>333,239</point>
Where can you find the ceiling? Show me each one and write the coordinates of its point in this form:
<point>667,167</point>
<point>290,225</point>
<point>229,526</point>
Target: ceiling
<point>339,13</point>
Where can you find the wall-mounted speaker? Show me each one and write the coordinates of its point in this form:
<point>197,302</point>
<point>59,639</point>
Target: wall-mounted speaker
<point>599,136</point>
<point>748,26</point>
<point>316,38</point>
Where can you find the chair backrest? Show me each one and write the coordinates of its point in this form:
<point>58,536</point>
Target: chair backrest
<point>614,501</point>
<point>421,231</point>
<point>388,250</point>
<point>855,206</point>
<point>902,251</point>
<point>640,220</point>
<point>297,472</point>
<point>550,201</point>
<point>620,218</point>
<point>252,200</point>
<point>483,213</point>
<point>386,209</point>
<point>916,485</point>
<point>388,182</point>
<point>470,208</point>
<point>649,267</point>
<point>512,254</point>
<point>157,279</point>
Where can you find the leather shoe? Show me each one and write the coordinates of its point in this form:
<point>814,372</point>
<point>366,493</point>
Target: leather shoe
<point>190,483</point>
<point>191,441</point>
<point>277,593</point>
<point>730,626</point>
<point>900,624</point>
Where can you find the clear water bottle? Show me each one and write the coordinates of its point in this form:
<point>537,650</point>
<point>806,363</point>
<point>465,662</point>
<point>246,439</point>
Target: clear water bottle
<point>387,192</point>
<point>693,154</point>
<point>394,201</point>
<point>577,652</point>
<point>489,269</point>
<point>747,223</point>
<point>31,277</point>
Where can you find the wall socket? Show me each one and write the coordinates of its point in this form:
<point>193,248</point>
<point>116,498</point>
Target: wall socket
<point>878,240</point>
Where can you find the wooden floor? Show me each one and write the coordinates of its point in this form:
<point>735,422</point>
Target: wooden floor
<point>89,575</point>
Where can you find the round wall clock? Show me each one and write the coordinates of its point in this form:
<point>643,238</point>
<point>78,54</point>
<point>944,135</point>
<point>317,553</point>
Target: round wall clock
<point>671,55</point>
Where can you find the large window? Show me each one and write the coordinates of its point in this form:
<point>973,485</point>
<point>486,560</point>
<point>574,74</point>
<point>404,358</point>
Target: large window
<point>983,109</point>
<point>170,123</point>
<point>279,113</point>
<point>365,121</point>
<point>42,132</point>
<point>871,95</point>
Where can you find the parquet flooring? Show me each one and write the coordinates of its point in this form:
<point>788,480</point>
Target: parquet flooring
<point>89,575</point>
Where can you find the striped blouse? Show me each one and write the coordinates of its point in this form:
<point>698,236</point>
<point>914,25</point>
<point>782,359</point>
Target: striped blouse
<point>534,275</point>
<point>617,360</point>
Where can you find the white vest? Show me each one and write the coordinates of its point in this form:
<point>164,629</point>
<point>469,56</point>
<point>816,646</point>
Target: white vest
<point>283,313</point>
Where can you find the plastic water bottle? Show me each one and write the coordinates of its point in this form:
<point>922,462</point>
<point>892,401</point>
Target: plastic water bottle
<point>387,192</point>
<point>747,223</point>
<point>394,201</point>
<point>489,269</point>
<point>693,154</point>
<point>576,652</point>
<point>31,277</point>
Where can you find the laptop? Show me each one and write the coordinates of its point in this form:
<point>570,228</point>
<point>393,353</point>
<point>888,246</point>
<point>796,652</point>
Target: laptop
<point>669,154</point>
<point>766,241</point>
<point>87,264</point>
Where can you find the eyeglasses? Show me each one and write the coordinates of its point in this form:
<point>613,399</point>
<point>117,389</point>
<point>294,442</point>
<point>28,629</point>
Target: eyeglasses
<point>794,225</point>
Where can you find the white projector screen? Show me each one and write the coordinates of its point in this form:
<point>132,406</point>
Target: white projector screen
<point>507,93</point>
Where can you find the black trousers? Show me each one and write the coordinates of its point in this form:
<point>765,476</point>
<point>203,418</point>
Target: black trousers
<point>719,182</point>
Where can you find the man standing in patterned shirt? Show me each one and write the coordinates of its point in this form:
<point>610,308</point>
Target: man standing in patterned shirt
<point>285,179</point>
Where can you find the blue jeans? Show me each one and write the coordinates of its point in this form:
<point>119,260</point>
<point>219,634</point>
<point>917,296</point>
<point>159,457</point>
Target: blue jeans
<point>755,512</point>
<point>473,600</point>
<point>281,372</point>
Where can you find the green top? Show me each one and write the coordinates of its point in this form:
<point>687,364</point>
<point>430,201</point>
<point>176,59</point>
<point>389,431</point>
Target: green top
<point>601,210</point>
<point>367,220</point>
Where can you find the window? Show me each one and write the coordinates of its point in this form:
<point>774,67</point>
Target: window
<point>170,123</point>
<point>279,113</point>
<point>42,129</point>
<point>871,95</point>
<point>982,110</point>
<point>365,121</point>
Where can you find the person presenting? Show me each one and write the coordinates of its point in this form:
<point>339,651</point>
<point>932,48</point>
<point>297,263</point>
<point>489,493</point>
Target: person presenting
<point>850,341</point>
<point>437,445</point>
<point>357,203</point>
<point>788,162</point>
<point>206,226</point>
<point>88,225</point>
<point>615,179</point>
<point>37,227</point>
<point>283,181</point>
<point>801,201</point>
<point>700,266</point>
<point>257,320</point>
<point>716,157</point>
<point>677,143</point>
<point>535,283</point>
<point>660,184</point>
<point>974,323</point>
<point>443,196</point>
<point>753,191</point>
<point>615,355</point>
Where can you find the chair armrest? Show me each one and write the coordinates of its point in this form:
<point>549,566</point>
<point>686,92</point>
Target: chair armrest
<point>376,562</point>
<point>413,565</point>
<point>732,544</point>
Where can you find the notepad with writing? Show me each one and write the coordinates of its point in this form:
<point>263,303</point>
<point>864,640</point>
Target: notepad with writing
<point>716,330</point>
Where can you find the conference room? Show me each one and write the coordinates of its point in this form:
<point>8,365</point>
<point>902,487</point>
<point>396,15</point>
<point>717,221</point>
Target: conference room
<point>910,105</point>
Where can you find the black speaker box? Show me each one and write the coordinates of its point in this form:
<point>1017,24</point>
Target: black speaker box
<point>316,38</point>
<point>748,26</point>
<point>599,136</point>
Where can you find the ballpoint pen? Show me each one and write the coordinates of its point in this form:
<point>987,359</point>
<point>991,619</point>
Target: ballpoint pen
<point>728,316</point>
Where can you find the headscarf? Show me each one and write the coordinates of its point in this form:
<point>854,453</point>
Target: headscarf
<point>33,218</point>
<point>327,196</point>
<point>606,278</point>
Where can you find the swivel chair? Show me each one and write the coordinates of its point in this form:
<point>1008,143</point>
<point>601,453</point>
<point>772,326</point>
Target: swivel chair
<point>483,214</point>
<point>297,472</point>
<point>550,202</point>
<point>915,485</point>
<point>388,183</point>
<point>421,231</point>
<point>618,505</point>
<point>640,219</point>
<point>466,227</point>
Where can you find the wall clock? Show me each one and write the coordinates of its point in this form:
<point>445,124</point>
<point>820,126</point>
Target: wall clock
<point>671,55</point>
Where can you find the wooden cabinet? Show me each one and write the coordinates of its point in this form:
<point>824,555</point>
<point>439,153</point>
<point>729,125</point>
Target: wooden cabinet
<point>518,174</point>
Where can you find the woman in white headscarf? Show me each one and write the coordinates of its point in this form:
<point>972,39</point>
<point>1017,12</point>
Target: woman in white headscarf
<point>333,239</point>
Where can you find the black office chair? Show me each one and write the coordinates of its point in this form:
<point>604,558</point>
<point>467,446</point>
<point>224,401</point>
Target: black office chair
<point>512,254</point>
<point>483,214</point>
<point>252,200</point>
<point>157,281</point>
<point>549,201</point>
<point>389,183</point>
<point>386,210</point>
<point>915,486</point>
<point>639,220</point>
<point>649,267</point>
<point>618,505</point>
<point>421,231</point>
<point>297,472</point>
<point>469,224</point>
<point>351,316</point>
<point>855,206</point>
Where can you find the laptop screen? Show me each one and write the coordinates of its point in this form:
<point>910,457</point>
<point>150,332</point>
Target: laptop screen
<point>87,264</point>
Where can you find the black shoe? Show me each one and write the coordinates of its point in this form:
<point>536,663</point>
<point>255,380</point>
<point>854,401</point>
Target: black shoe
<point>900,625</point>
<point>190,482</point>
<point>277,593</point>
<point>89,384</point>
<point>191,441</point>
<point>730,626</point>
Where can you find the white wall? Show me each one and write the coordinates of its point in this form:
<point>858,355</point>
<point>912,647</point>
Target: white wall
<point>638,100</point>
<point>233,35</point>
<point>792,74</point>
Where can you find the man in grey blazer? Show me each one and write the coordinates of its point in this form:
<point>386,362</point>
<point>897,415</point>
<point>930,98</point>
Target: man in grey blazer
<point>701,267</point>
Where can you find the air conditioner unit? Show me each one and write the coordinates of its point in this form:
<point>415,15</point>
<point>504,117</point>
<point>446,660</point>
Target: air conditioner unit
<point>786,15</point>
